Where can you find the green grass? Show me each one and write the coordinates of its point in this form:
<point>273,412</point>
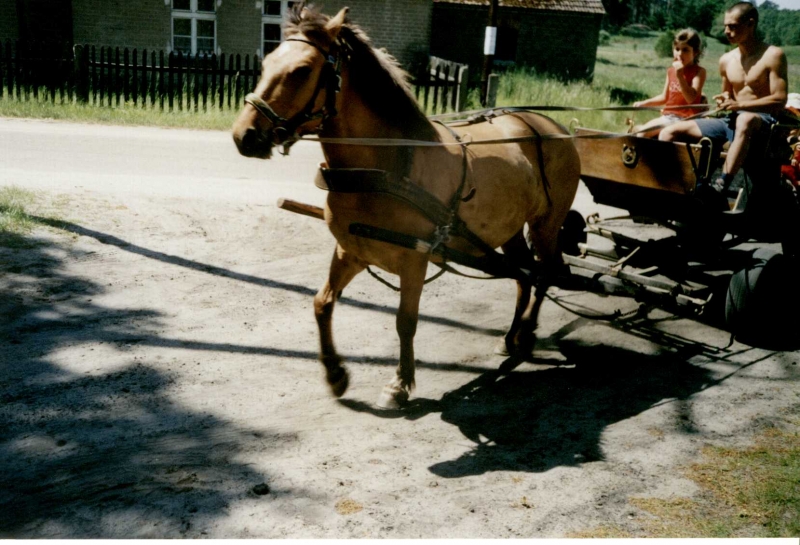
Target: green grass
<point>21,211</point>
<point>15,221</point>
<point>746,492</point>
<point>126,114</point>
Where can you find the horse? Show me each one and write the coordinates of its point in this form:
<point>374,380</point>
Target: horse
<point>327,79</point>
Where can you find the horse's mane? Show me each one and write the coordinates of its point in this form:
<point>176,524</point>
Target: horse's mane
<point>375,75</point>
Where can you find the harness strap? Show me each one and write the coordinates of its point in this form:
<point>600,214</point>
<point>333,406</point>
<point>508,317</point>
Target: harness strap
<point>263,108</point>
<point>539,153</point>
<point>457,196</point>
<point>363,180</point>
<point>494,263</point>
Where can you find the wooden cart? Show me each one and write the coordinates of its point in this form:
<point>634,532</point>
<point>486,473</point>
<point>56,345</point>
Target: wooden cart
<point>680,242</point>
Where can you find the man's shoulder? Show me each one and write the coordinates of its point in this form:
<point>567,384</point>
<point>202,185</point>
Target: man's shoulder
<point>725,58</point>
<point>774,51</point>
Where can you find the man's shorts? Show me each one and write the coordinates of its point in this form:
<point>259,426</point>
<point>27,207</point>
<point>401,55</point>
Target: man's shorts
<point>722,129</point>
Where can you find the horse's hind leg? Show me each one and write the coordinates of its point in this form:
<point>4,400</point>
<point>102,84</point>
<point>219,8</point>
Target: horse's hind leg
<point>517,250</point>
<point>412,278</point>
<point>544,239</point>
<point>343,269</point>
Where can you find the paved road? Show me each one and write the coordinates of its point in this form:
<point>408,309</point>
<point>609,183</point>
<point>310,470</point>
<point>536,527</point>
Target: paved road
<point>55,155</point>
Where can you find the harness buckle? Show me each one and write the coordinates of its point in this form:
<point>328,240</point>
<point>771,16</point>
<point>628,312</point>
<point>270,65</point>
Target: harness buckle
<point>440,235</point>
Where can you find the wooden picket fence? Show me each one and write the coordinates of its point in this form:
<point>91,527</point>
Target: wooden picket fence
<point>442,86</point>
<point>111,77</point>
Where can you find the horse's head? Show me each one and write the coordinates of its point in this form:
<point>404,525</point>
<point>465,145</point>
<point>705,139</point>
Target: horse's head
<point>298,86</point>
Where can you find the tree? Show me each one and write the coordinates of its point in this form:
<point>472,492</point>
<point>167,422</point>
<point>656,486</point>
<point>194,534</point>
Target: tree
<point>698,14</point>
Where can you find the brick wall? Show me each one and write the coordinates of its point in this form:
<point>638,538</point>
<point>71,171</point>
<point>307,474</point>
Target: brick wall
<point>36,20</point>
<point>561,43</point>
<point>142,24</point>
<point>8,20</point>
<point>403,27</point>
<point>239,27</point>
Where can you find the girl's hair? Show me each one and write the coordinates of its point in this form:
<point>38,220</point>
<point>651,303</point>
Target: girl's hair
<point>690,37</point>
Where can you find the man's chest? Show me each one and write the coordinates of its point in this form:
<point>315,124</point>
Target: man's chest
<point>754,74</point>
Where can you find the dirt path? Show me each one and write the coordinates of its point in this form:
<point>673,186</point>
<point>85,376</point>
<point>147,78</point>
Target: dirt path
<point>158,376</point>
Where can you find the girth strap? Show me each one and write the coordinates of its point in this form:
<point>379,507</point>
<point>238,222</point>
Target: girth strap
<point>363,180</point>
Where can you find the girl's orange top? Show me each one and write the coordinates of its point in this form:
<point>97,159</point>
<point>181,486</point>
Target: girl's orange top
<point>674,95</point>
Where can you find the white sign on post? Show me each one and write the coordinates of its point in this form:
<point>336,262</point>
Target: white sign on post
<point>490,40</point>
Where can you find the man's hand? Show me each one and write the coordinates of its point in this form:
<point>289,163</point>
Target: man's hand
<point>725,102</point>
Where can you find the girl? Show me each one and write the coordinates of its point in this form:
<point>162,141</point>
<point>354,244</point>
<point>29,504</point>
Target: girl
<point>684,84</point>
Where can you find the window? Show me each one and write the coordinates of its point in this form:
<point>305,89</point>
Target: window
<point>271,19</point>
<point>194,27</point>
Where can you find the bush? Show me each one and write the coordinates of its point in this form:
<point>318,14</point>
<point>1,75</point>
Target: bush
<point>663,47</point>
<point>604,38</point>
<point>636,31</point>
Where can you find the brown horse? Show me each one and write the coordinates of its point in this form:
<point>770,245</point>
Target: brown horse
<point>326,78</point>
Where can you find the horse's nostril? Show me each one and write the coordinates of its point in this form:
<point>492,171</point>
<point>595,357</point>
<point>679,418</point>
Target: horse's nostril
<point>249,138</point>
<point>246,141</point>
<point>252,143</point>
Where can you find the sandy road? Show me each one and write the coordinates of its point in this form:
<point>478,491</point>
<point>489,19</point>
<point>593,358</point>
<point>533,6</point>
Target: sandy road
<point>158,373</point>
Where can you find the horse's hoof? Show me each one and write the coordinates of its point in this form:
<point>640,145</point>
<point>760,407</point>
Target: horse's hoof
<point>500,349</point>
<point>338,380</point>
<point>392,398</point>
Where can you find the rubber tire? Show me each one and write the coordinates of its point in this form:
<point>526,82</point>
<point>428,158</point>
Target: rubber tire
<point>759,298</point>
<point>572,233</point>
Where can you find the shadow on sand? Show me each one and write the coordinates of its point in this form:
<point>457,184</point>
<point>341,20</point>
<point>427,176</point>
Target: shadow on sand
<point>91,452</point>
<point>535,420</point>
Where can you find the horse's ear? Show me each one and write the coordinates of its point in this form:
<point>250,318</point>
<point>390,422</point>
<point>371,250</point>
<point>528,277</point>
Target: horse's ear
<point>335,24</point>
<point>304,13</point>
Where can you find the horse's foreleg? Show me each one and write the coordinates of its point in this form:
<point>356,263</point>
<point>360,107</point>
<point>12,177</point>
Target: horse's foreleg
<point>517,250</point>
<point>343,269</point>
<point>412,278</point>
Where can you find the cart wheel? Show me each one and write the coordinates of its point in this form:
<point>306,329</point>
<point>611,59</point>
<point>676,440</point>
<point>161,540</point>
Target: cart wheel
<point>572,233</point>
<point>759,304</point>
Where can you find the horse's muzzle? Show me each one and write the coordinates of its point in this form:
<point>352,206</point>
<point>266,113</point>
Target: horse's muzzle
<point>251,143</point>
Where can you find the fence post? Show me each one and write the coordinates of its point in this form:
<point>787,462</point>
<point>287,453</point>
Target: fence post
<point>80,67</point>
<point>117,76</point>
<point>463,89</point>
<point>1,70</point>
<point>491,90</point>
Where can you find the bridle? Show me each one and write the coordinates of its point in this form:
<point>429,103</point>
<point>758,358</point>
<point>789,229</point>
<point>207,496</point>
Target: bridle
<point>286,129</point>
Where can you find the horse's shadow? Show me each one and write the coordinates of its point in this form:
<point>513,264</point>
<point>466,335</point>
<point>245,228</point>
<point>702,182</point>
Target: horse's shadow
<point>535,420</point>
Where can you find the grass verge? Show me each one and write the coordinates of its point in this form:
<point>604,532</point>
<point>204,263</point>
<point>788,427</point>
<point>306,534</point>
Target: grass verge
<point>15,222</point>
<point>21,211</point>
<point>126,115</point>
<point>746,492</point>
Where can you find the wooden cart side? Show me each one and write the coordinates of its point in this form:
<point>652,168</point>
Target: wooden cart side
<point>635,161</point>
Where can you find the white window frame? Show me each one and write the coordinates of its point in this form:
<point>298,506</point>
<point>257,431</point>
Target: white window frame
<point>272,20</point>
<point>194,15</point>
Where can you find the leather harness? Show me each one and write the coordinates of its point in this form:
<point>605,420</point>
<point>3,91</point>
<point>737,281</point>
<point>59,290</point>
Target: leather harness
<point>360,180</point>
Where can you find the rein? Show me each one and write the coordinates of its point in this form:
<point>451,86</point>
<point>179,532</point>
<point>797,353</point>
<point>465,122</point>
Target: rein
<point>492,113</point>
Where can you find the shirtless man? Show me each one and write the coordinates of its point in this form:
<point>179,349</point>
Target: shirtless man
<point>754,89</point>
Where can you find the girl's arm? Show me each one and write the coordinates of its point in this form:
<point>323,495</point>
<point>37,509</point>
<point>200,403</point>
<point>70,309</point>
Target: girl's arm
<point>658,100</point>
<point>694,89</point>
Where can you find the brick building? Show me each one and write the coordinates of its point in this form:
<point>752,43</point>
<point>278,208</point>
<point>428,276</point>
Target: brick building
<point>558,37</point>
<point>222,26</point>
